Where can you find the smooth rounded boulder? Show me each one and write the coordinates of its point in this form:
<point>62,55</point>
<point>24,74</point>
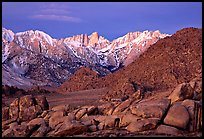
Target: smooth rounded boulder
<point>143,125</point>
<point>168,130</point>
<point>151,108</point>
<point>177,116</point>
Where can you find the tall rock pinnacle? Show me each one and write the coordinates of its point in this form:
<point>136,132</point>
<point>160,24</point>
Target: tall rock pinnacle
<point>94,38</point>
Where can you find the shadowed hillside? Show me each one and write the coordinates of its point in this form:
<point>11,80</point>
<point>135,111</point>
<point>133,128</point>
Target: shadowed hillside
<point>165,64</point>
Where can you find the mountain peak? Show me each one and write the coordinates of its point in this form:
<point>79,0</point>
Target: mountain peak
<point>94,33</point>
<point>94,38</point>
<point>36,34</point>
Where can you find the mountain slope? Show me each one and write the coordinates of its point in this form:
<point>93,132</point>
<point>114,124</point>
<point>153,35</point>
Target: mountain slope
<point>172,60</point>
<point>37,56</point>
<point>168,62</point>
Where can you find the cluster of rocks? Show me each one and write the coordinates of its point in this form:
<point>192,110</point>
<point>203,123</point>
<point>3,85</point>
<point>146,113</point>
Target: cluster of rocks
<point>20,113</point>
<point>170,113</point>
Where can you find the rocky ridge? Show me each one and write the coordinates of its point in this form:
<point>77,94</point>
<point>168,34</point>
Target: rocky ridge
<point>35,58</point>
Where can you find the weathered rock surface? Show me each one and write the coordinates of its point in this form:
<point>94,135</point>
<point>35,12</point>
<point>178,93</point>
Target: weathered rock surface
<point>5,113</point>
<point>151,108</point>
<point>35,122</point>
<point>127,119</point>
<point>181,92</point>
<point>42,102</point>
<point>26,108</point>
<point>111,121</point>
<point>195,112</point>
<point>30,113</point>
<point>143,124</point>
<point>13,109</point>
<point>93,110</point>
<point>80,113</point>
<point>124,105</point>
<point>177,116</point>
<point>26,102</point>
<point>190,106</point>
<point>94,38</point>
<point>16,131</point>
<point>92,128</point>
<point>103,109</point>
<point>168,130</point>
<point>62,107</point>
<point>68,128</point>
<point>56,118</point>
<point>5,124</point>
<point>38,127</point>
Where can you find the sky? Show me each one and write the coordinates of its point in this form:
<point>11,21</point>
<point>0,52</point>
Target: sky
<point>109,19</point>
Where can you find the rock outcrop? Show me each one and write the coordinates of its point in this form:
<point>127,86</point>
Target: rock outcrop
<point>25,108</point>
<point>94,38</point>
<point>152,114</point>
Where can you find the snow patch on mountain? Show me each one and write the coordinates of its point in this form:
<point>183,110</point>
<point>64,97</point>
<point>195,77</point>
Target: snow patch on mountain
<point>45,36</point>
<point>8,35</point>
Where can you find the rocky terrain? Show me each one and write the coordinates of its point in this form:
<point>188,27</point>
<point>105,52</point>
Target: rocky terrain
<point>177,112</point>
<point>33,58</point>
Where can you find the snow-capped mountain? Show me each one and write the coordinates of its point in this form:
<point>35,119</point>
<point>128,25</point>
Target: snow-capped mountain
<point>121,51</point>
<point>7,35</point>
<point>42,60</point>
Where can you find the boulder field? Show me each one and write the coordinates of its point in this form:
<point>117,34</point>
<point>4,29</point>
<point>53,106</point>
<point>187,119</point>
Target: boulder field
<point>177,112</point>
